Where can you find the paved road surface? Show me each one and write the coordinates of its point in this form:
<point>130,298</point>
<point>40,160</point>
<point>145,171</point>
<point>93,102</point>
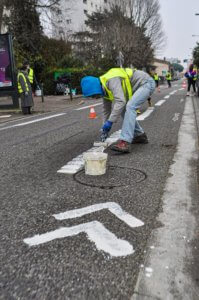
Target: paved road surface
<point>98,249</point>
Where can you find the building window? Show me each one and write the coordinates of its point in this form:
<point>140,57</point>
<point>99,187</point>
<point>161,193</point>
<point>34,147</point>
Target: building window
<point>68,21</point>
<point>105,1</point>
<point>85,11</point>
<point>85,1</point>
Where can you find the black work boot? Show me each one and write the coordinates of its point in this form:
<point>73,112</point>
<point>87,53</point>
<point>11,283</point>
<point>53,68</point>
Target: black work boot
<point>140,139</point>
<point>122,146</point>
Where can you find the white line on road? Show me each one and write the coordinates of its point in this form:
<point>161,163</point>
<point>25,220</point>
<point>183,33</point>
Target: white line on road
<point>146,114</point>
<point>160,102</point>
<point>172,256</point>
<point>33,121</point>
<point>77,164</point>
<point>181,89</point>
<point>172,93</point>
<point>113,207</point>
<point>89,106</point>
<point>167,97</point>
<point>104,239</point>
<point>5,116</point>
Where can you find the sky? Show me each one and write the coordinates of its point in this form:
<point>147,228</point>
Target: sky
<point>179,24</point>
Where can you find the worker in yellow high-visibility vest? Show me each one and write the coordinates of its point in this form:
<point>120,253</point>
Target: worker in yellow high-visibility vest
<point>156,78</point>
<point>31,75</point>
<point>168,78</point>
<point>123,90</point>
<point>25,90</point>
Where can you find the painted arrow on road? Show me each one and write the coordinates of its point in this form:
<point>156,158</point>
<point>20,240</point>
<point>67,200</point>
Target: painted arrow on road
<point>96,232</point>
<point>113,207</point>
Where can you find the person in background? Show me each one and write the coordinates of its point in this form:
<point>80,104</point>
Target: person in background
<point>31,76</point>
<point>25,90</point>
<point>156,78</point>
<point>168,78</point>
<point>191,75</point>
<point>123,91</point>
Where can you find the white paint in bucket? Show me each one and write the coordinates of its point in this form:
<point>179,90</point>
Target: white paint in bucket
<point>95,163</point>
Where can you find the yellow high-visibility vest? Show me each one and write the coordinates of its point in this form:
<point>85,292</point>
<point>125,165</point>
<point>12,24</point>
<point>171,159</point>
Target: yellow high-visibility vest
<point>168,76</point>
<point>125,74</point>
<point>156,77</point>
<point>31,75</point>
<point>19,85</point>
<point>195,76</point>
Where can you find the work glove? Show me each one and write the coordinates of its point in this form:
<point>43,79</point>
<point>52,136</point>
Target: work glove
<point>107,126</point>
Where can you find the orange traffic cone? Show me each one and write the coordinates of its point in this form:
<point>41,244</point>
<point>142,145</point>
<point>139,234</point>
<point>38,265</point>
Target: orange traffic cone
<point>92,114</point>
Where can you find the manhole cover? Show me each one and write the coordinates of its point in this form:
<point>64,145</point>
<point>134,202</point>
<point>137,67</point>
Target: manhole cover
<point>115,176</point>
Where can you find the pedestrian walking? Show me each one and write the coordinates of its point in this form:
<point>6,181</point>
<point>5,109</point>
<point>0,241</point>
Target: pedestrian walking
<point>168,78</point>
<point>123,92</point>
<point>25,90</point>
<point>156,78</point>
<point>191,75</point>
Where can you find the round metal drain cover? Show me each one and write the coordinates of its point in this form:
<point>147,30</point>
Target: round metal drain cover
<point>115,176</point>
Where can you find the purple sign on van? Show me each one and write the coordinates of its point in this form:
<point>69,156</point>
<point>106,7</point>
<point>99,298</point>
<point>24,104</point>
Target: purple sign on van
<point>5,64</point>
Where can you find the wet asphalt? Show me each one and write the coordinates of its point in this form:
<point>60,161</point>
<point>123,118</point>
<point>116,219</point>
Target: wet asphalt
<point>32,192</point>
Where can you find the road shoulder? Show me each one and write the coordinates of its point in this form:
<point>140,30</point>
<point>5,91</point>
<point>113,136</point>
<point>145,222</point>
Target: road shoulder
<point>167,271</point>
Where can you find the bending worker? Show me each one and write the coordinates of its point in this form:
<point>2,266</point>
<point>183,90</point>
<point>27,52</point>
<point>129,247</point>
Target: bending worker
<point>123,91</point>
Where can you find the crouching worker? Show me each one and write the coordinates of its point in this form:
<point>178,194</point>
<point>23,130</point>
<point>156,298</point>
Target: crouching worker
<point>25,90</point>
<point>123,92</point>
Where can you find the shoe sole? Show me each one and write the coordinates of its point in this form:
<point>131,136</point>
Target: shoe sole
<point>120,150</point>
<point>145,142</point>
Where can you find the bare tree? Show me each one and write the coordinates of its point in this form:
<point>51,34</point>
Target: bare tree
<point>145,14</point>
<point>111,32</point>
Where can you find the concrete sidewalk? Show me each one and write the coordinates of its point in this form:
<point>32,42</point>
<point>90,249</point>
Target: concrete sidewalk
<point>50,104</point>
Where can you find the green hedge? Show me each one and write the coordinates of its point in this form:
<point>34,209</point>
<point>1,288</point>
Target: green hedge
<point>76,76</point>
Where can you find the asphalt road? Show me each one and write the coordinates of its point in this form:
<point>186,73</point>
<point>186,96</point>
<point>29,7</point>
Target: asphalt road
<point>80,265</point>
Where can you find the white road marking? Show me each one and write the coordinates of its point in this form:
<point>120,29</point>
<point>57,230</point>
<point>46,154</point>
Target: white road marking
<point>167,97</point>
<point>182,100</point>
<point>5,116</point>
<point>160,102</point>
<point>33,121</point>
<point>104,239</point>
<point>72,167</point>
<point>77,163</point>
<point>172,93</point>
<point>89,106</point>
<point>181,89</point>
<point>146,114</point>
<point>113,207</point>
<point>177,221</point>
<point>176,117</point>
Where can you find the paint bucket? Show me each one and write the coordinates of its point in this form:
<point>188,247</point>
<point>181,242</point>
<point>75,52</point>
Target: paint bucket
<point>95,163</point>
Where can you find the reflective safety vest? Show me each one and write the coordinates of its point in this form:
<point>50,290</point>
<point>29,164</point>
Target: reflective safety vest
<point>125,74</point>
<point>156,77</point>
<point>195,76</point>
<point>19,85</point>
<point>168,76</point>
<point>31,75</point>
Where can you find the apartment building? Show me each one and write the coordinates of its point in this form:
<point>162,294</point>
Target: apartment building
<point>72,16</point>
